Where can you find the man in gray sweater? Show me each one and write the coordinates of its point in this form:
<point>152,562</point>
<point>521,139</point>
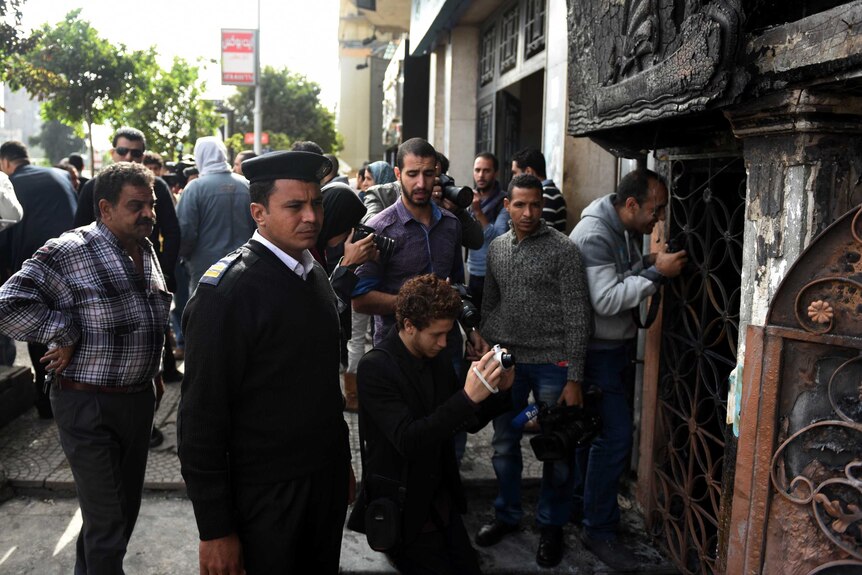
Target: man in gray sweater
<point>619,278</point>
<point>535,304</point>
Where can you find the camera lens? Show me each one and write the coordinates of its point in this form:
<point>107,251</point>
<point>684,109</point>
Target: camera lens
<point>385,245</point>
<point>461,197</point>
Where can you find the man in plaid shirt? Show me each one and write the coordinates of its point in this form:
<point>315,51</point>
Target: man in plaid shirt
<point>96,297</point>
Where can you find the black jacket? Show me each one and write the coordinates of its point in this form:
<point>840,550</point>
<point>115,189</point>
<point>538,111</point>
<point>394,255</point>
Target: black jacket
<point>400,422</point>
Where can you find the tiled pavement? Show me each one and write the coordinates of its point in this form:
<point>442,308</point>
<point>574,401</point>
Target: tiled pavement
<point>35,467</point>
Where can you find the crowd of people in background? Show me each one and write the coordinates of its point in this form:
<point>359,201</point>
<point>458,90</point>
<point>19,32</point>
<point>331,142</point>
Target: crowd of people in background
<point>271,277</point>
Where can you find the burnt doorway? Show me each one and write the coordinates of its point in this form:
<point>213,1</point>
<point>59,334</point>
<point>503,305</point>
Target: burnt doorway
<point>694,448</point>
<point>519,120</point>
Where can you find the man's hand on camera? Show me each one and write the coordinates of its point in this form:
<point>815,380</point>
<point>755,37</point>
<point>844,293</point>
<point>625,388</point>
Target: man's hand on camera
<point>572,394</point>
<point>357,253</point>
<point>491,370</point>
<point>476,345</point>
<point>670,265</point>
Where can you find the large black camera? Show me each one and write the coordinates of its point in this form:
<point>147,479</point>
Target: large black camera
<point>566,428</point>
<point>461,196</point>
<point>469,315</point>
<point>385,245</point>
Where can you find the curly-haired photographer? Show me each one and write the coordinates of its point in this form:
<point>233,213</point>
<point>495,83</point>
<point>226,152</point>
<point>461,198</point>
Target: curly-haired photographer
<point>411,405</point>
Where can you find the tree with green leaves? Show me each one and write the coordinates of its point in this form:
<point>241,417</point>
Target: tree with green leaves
<point>290,105</point>
<point>169,109</point>
<point>95,75</point>
<point>58,140</point>
<point>15,67</point>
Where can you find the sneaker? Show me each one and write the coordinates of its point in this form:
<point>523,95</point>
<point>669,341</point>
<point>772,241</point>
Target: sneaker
<point>613,554</point>
<point>550,551</point>
<point>493,532</point>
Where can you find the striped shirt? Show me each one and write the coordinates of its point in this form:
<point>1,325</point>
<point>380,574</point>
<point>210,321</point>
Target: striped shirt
<point>554,212</point>
<point>82,289</point>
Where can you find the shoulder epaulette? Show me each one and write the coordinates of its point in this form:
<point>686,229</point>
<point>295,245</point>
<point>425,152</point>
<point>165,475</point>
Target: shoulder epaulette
<point>217,271</point>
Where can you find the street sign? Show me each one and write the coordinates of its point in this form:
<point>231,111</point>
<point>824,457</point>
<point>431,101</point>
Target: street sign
<point>239,52</point>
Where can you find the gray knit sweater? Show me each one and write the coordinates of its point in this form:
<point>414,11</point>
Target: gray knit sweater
<point>536,302</point>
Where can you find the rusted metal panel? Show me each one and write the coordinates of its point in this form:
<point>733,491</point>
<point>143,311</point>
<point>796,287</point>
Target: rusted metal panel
<point>798,502</point>
<point>745,456</point>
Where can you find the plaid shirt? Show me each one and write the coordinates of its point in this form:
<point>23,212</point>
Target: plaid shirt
<point>83,289</point>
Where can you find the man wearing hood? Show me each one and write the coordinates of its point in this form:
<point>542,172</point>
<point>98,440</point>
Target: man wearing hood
<point>619,279</point>
<point>214,212</point>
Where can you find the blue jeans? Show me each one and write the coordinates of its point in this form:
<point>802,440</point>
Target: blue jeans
<point>599,467</point>
<point>546,381</point>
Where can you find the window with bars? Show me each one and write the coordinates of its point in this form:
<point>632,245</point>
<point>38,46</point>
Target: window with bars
<point>484,140</point>
<point>486,57</point>
<point>509,39</point>
<point>534,28</point>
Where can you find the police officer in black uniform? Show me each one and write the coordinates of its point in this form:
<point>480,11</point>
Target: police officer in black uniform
<point>262,439</point>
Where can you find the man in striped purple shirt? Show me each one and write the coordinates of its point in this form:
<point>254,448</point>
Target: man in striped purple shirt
<point>96,297</point>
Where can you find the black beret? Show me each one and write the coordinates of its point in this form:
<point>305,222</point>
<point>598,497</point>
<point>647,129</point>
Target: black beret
<point>305,166</point>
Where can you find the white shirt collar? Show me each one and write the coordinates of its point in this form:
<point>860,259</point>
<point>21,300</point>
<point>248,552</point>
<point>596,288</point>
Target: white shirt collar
<point>301,268</point>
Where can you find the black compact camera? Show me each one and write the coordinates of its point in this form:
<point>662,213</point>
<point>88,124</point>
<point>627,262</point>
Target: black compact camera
<point>469,315</point>
<point>385,245</point>
<point>566,428</point>
<point>677,244</point>
<point>461,196</point>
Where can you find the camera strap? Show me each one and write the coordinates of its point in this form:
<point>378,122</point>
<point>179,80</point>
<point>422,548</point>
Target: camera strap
<point>652,312</point>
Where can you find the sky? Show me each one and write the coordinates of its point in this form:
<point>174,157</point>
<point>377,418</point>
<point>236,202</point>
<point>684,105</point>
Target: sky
<point>301,35</point>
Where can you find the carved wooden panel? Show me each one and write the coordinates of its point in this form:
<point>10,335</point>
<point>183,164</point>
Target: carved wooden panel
<point>639,60</point>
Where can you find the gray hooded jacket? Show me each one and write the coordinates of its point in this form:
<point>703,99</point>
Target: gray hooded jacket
<point>617,279</point>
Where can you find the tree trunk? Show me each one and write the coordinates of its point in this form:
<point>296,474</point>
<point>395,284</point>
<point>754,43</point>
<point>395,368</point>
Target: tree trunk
<point>92,151</point>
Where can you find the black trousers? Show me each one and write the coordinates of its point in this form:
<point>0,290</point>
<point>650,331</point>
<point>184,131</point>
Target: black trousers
<point>106,439</point>
<point>293,526</point>
<point>442,552</point>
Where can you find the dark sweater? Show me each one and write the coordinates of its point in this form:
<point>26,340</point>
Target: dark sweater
<point>261,401</point>
<point>536,302</point>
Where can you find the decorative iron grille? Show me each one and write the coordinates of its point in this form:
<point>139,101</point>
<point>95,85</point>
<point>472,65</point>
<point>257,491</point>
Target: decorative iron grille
<point>694,459</point>
<point>509,39</point>
<point>486,57</point>
<point>534,28</point>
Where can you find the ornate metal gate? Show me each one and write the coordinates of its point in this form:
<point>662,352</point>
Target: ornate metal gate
<point>797,506</point>
<point>695,451</point>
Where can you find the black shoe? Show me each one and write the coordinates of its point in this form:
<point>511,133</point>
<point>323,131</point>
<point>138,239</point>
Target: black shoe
<point>491,533</point>
<point>156,438</point>
<point>613,554</point>
<point>550,551</point>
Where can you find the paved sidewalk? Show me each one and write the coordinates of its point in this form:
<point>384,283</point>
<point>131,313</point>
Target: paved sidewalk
<point>38,526</point>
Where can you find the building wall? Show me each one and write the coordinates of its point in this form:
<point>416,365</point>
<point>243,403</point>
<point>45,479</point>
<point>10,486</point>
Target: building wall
<point>354,121</point>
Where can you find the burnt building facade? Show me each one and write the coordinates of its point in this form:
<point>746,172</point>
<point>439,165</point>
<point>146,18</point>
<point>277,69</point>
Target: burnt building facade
<point>750,414</point>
